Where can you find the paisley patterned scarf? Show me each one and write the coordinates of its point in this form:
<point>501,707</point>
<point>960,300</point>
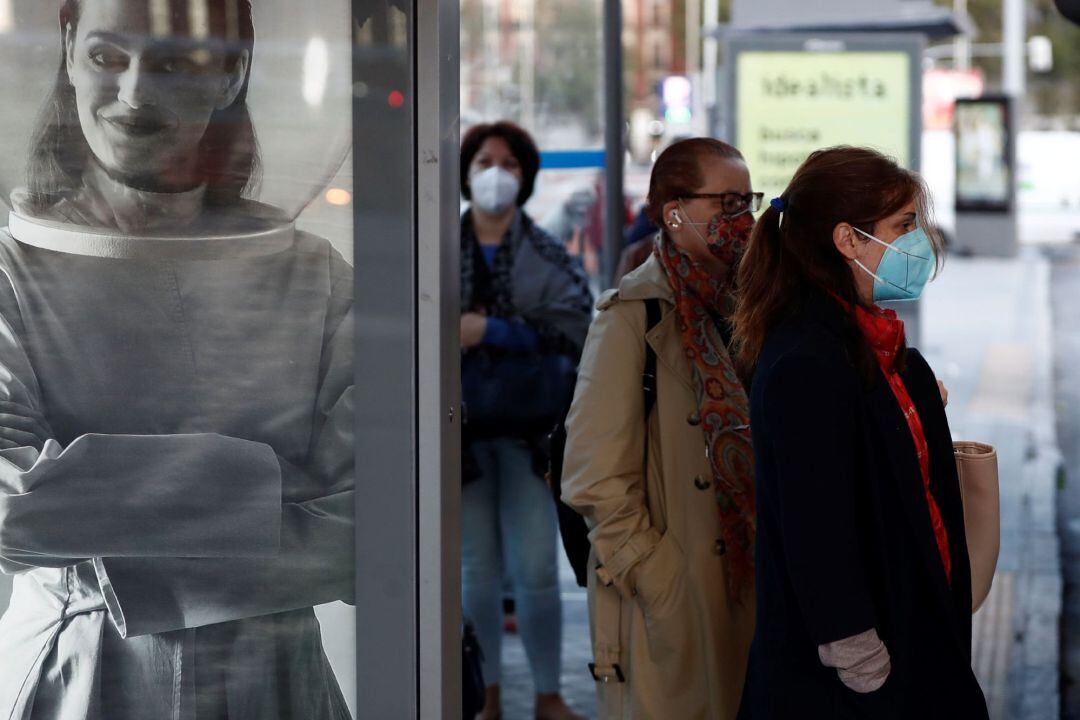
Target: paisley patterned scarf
<point>702,300</point>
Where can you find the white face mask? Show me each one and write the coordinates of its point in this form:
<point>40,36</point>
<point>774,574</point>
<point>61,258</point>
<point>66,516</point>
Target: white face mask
<point>494,190</point>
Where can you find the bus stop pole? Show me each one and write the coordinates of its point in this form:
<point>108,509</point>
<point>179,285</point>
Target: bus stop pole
<point>613,142</point>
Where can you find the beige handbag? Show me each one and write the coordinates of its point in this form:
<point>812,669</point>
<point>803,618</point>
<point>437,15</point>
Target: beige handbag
<point>977,467</point>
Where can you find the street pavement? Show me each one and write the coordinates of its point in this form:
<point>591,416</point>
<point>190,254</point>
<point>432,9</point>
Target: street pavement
<point>1066,291</point>
<point>986,328</point>
<point>987,331</point>
<point>578,685</point>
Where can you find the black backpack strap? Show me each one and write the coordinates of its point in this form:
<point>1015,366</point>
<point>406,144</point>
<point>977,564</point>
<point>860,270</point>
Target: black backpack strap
<point>648,377</point>
<point>572,528</point>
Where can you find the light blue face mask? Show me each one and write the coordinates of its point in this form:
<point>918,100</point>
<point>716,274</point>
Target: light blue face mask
<point>905,267</point>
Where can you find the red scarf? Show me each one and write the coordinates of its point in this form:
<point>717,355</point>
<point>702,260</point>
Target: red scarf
<point>885,333</point>
<point>701,297</point>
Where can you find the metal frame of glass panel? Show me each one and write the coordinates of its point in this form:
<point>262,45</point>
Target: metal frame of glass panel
<point>438,298</point>
<point>408,442</point>
<point>614,131</point>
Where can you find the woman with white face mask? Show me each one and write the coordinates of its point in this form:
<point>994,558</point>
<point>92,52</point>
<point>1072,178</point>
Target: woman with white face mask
<point>525,311</point>
<point>863,578</point>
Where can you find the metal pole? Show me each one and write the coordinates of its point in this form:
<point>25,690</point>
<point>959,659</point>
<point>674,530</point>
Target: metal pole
<point>384,162</point>
<point>408,602</point>
<point>962,43</point>
<point>613,141</point>
<point>711,51</point>
<point>1013,37</point>
<point>528,65</point>
<point>693,36</point>
<point>489,31</point>
<point>693,58</point>
<point>438,384</point>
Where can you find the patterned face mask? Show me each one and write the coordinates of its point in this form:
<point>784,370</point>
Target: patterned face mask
<point>726,236</point>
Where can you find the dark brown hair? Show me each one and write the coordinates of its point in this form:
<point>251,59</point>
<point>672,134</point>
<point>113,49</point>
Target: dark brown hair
<point>678,172</point>
<point>229,151</point>
<point>521,145</point>
<point>785,263</point>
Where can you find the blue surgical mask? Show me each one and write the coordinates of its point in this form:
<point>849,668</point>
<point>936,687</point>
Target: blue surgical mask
<point>905,267</point>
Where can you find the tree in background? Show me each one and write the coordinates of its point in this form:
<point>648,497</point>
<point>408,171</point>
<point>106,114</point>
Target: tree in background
<point>569,62</point>
<point>564,45</point>
<point>1055,94</point>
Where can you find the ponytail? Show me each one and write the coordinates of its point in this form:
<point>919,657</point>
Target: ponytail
<point>760,269</point>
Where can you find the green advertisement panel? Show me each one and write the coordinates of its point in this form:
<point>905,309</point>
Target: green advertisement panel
<point>791,96</point>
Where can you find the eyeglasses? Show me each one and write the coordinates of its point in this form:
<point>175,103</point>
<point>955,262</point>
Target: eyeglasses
<point>732,202</point>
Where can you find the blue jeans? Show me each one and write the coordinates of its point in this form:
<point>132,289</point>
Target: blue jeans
<point>508,521</point>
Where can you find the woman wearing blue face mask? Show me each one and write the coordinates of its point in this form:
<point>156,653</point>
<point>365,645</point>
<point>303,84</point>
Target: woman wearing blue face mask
<point>863,581</point>
<point>525,313</point>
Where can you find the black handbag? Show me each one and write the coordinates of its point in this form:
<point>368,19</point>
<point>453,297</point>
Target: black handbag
<point>472,673</point>
<point>514,393</point>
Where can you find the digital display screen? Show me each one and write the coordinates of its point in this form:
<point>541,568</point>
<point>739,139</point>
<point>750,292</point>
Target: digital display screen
<point>984,173</point>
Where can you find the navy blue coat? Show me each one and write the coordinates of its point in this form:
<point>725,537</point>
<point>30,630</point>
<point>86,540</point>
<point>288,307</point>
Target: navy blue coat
<point>845,541</point>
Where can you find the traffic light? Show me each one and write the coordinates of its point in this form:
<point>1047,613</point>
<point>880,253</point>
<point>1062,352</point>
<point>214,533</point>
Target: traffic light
<point>1070,9</point>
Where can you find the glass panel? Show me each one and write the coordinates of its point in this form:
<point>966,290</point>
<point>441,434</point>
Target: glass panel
<point>176,360</point>
<point>540,65</point>
<point>387,71</point>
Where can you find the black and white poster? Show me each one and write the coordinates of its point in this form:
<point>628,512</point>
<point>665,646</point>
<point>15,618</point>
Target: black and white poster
<point>176,361</point>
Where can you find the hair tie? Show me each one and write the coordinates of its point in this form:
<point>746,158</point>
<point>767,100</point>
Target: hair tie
<point>778,203</point>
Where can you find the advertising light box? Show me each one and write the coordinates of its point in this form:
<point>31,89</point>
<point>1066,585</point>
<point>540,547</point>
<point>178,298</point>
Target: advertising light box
<point>984,168</point>
<point>792,95</point>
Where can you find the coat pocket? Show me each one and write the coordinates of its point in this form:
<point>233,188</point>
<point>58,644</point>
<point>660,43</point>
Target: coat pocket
<point>660,585</point>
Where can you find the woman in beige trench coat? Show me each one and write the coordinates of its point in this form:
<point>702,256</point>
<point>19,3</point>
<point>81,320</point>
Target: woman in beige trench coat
<point>671,625</point>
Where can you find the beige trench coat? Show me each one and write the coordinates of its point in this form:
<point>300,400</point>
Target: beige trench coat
<point>659,614</point>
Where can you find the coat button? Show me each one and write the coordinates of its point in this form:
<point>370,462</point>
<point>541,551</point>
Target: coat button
<point>702,484</point>
<point>694,419</point>
<point>720,548</point>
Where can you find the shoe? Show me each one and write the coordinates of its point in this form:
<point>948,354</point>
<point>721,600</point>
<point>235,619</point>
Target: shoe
<point>553,707</point>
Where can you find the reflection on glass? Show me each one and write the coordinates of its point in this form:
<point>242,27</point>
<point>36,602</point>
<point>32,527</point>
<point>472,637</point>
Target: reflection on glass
<point>176,400</point>
<point>540,65</point>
